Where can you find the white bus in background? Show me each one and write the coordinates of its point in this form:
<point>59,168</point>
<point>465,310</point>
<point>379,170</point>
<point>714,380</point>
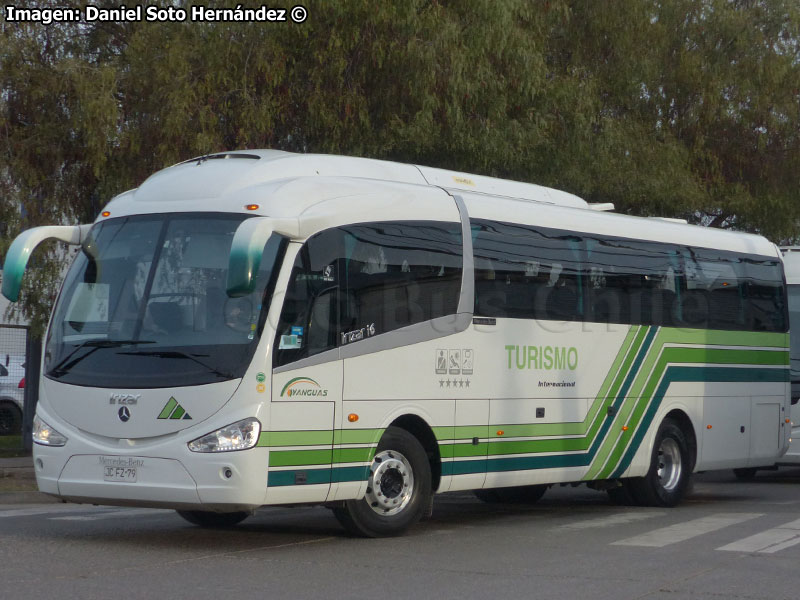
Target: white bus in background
<point>791,266</point>
<point>257,328</point>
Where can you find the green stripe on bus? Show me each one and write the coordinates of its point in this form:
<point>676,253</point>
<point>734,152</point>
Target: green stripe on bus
<point>317,476</point>
<point>697,374</point>
<point>629,385</point>
<point>358,436</point>
<point>737,355</point>
<point>600,446</point>
<point>295,438</point>
<point>292,458</point>
<point>679,373</point>
<point>632,414</point>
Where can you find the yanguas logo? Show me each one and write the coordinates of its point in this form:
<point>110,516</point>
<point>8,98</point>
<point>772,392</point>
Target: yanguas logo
<point>303,386</point>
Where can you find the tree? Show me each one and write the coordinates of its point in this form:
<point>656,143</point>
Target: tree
<point>683,108</point>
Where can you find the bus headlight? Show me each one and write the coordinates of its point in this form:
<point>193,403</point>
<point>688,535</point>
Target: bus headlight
<point>45,435</point>
<point>236,436</point>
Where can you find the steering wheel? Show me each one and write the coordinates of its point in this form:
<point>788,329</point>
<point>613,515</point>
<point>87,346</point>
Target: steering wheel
<point>238,313</point>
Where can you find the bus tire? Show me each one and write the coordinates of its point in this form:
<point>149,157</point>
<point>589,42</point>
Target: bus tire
<point>398,491</point>
<point>213,520</point>
<point>10,418</point>
<point>521,494</point>
<point>669,475</point>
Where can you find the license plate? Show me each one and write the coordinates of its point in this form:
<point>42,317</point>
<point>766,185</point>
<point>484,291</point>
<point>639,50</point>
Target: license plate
<point>124,474</point>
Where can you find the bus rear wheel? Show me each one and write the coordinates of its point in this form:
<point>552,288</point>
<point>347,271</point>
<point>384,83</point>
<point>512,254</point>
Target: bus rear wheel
<point>212,519</point>
<point>398,490</point>
<point>668,478</point>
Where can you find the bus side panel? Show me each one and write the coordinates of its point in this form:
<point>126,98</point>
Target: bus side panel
<point>719,412</point>
<point>301,433</point>
<point>530,398</point>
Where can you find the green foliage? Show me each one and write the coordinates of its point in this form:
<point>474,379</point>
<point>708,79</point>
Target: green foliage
<point>686,108</point>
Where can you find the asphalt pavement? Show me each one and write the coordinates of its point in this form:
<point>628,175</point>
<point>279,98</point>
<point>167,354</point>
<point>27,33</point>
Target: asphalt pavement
<point>18,482</point>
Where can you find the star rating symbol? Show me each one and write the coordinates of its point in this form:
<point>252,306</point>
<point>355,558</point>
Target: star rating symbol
<point>456,383</point>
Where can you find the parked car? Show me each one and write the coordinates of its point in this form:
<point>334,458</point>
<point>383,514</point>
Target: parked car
<point>12,394</point>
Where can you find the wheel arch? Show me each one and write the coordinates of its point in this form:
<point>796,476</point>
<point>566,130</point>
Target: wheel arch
<point>682,414</point>
<point>419,428</point>
<point>687,427</point>
<point>10,402</point>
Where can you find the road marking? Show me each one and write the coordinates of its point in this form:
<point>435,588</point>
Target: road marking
<point>42,510</point>
<point>768,542</point>
<point>114,514</point>
<point>681,532</point>
<point>613,520</point>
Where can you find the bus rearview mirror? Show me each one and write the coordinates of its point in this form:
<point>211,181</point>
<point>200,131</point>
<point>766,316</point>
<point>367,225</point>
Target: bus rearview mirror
<point>247,248</point>
<point>23,246</point>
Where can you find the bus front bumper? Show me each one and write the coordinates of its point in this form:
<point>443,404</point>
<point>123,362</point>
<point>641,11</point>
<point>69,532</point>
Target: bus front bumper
<point>211,482</point>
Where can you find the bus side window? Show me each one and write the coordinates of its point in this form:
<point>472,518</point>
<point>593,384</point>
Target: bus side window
<point>765,295</point>
<point>398,274</point>
<point>633,281</point>
<point>351,283</point>
<point>308,321</point>
<point>523,272</point>
<point>715,294</point>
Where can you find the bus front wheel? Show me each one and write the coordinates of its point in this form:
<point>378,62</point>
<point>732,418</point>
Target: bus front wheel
<point>668,478</point>
<point>398,489</point>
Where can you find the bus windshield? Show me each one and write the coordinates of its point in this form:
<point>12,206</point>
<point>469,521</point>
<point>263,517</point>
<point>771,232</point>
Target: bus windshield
<point>144,305</point>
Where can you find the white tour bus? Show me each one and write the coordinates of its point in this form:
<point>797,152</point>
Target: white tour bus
<point>257,328</point>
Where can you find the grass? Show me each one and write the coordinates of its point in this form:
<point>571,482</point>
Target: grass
<point>11,445</point>
<point>10,484</point>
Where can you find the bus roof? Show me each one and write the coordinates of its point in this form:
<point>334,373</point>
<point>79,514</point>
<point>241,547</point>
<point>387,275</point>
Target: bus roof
<point>328,190</point>
<point>791,264</point>
<point>222,176</point>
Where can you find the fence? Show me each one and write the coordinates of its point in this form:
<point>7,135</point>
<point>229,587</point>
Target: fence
<point>14,358</point>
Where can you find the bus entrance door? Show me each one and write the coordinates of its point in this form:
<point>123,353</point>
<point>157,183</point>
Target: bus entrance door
<point>301,432</point>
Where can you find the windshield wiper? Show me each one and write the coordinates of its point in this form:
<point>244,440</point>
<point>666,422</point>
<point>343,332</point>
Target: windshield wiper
<point>183,355</point>
<point>65,364</point>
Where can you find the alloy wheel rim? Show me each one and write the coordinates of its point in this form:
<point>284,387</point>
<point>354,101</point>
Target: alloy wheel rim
<point>670,466</point>
<point>391,483</point>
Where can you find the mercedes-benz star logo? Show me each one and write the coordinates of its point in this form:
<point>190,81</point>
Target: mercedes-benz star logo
<point>124,414</point>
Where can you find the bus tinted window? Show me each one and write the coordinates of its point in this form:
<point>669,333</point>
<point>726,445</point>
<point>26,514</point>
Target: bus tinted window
<point>631,281</point>
<point>527,273</point>
<point>309,318</point>
<point>765,294</point>
<point>727,290</point>
<point>352,283</point>
<point>398,274</point>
